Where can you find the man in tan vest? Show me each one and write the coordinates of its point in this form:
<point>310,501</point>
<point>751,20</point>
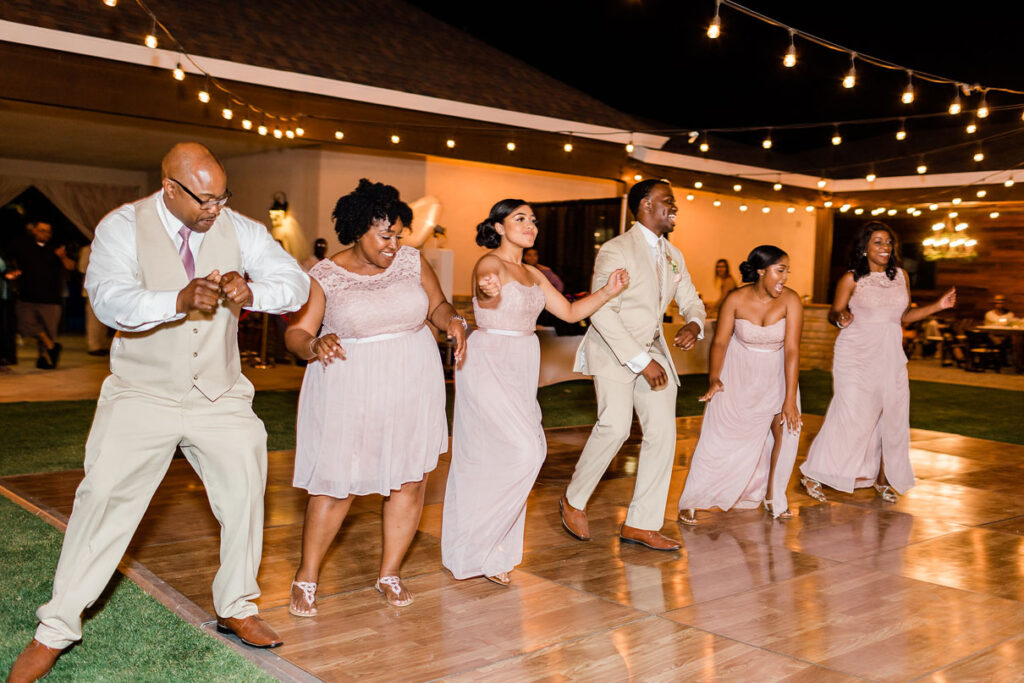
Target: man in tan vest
<point>166,272</point>
<point>629,358</point>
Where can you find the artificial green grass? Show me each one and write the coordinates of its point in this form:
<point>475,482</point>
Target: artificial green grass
<point>128,636</point>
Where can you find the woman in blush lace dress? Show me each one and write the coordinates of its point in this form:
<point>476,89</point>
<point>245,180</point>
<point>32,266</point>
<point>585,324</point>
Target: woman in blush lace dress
<point>372,407</point>
<point>751,427</point>
<point>498,443</point>
<point>865,439</point>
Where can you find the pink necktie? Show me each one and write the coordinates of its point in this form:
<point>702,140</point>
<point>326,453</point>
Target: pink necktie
<point>186,253</point>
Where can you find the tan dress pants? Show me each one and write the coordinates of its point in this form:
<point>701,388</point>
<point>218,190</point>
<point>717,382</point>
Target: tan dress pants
<point>128,452</point>
<point>656,411</point>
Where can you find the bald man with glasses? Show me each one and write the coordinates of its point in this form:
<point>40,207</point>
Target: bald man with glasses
<point>167,273</point>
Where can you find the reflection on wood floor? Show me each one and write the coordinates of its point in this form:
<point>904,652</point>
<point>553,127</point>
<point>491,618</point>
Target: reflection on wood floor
<point>932,586</point>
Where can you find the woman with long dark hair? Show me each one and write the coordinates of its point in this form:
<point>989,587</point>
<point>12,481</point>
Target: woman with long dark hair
<point>865,439</point>
<point>498,444</point>
<point>751,427</point>
<point>724,283</point>
<point>371,411</point>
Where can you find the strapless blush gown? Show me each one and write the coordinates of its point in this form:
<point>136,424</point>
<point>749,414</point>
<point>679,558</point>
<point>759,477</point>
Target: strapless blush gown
<point>498,443</point>
<point>376,420</point>
<point>730,465</point>
<point>868,420</point>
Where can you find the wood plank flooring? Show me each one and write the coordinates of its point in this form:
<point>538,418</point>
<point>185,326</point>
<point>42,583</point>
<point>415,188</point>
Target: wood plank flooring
<point>930,588</point>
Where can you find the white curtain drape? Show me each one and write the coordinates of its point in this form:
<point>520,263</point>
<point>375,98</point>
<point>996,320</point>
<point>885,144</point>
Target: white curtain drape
<point>84,204</point>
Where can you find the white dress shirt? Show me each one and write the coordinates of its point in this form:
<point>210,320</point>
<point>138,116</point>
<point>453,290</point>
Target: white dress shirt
<point>656,246</point>
<point>119,300</point>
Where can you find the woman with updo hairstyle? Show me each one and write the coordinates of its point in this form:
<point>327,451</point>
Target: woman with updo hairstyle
<point>751,429</point>
<point>498,443</point>
<point>865,438</point>
<point>724,283</point>
<point>372,406</point>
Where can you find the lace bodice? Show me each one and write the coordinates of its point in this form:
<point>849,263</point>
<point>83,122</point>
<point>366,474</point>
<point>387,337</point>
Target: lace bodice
<point>517,310</point>
<point>368,305</point>
<point>758,337</point>
<point>877,299</point>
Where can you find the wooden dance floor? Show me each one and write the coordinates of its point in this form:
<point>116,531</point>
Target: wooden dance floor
<point>931,587</point>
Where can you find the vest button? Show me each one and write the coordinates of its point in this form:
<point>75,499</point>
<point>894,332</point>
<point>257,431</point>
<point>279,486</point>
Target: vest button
<point>195,330</point>
<point>195,355</point>
<point>195,376</point>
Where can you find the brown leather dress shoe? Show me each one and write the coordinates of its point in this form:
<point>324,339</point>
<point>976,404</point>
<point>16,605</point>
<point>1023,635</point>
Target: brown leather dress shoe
<point>252,631</point>
<point>651,539</point>
<point>574,521</point>
<point>34,662</point>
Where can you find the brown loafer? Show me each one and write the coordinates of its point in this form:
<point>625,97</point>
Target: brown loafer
<point>574,521</point>
<point>651,539</point>
<point>252,631</point>
<point>34,662</point>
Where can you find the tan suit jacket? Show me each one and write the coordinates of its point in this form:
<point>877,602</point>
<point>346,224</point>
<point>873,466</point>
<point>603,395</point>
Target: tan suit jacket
<point>631,322</point>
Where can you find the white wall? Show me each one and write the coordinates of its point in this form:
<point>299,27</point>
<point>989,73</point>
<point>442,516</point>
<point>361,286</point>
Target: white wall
<point>43,170</point>
<point>706,233</point>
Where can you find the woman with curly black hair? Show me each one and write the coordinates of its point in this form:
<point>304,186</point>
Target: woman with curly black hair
<point>748,441</point>
<point>498,445</point>
<point>865,439</point>
<point>372,407</point>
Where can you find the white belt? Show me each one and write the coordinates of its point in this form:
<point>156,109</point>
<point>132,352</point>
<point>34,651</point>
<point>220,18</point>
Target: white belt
<point>378,337</point>
<point>508,333</point>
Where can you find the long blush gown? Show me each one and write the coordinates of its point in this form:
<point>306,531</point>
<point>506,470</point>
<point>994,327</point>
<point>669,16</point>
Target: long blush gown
<point>868,420</point>
<point>498,443</point>
<point>376,420</point>
<point>731,463</point>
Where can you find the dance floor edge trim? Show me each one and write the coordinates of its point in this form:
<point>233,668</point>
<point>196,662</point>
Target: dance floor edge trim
<point>172,599</point>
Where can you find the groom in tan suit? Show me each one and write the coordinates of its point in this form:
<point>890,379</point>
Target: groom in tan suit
<point>629,358</point>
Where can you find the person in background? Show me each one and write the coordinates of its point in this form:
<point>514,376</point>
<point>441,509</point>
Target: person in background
<point>724,283</point>
<point>531,257</point>
<point>999,314</point>
<point>41,270</point>
<point>95,332</point>
<point>319,254</point>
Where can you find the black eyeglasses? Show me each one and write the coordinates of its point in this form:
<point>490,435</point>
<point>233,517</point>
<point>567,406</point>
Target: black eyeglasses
<point>207,204</point>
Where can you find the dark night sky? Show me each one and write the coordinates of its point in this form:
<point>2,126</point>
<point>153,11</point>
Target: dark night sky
<point>651,58</point>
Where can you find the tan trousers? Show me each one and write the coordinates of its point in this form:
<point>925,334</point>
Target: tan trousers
<point>128,452</point>
<point>656,411</point>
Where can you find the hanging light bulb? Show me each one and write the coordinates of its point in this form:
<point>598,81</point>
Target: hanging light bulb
<point>743,207</point>
<point>954,214</point>
<point>698,184</point>
<point>567,147</point>
<point>637,177</point>
<point>715,28</point>
<point>982,108</point>
<point>227,113</point>
<point>178,73</point>
<point>956,106</point>
<point>933,207</point>
<point>957,201</point>
<point>717,203</point>
<point>278,134</point>
<point>690,197</point>
<point>1009,182</point>
<point>837,139</point>
<point>300,131</point>
<point>450,143</point>
<point>908,92</point>
<point>290,134</point>
<point>979,155</point>
<point>151,41</point>
<point>981,193</point>
<point>789,61</point>
<point>921,168</point>
<point>510,146</point>
<point>901,134</point>
<point>704,146</point>
<point>110,3</point>
<point>767,142</point>
<point>822,183</point>
<point>262,130</point>
<point>828,204</point>
<point>891,212</point>
<point>766,209</point>
<point>777,186</point>
<point>844,208</point>
<point>629,148</point>
<point>737,187</point>
<point>971,128</point>
<point>851,76</point>
<point>870,177</point>
<point>790,209</point>
<point>247,124</point>
<point>339,135</point>
<point>204,96</point>
<point>994,214</point>
<point>809,209</point>
<point>395,139</point>
<point>859,210</point>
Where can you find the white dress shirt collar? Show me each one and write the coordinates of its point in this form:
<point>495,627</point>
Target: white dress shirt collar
<point>649,235</point>
<point>172,225</point>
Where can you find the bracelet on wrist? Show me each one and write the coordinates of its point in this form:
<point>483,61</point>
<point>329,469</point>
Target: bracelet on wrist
<point>311,343</point>
<point>465,325</point>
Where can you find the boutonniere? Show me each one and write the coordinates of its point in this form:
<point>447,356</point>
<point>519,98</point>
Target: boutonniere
<point>673,264</point>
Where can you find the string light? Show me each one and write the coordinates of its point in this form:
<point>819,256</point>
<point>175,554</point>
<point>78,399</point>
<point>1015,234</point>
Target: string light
<point>204,96</point>
<point>933,207</point>
<point>891,212</point>
<point>828,204</point>
<point>908,93</point>
<point>717,203</point>
<point>178,73</point>
<point>395,139</point>
<point>837,139</point>
<point>567,147</point>
<point>690,197</point>
<point>971,128</point>
<point>629,147</point>
<point>954,214</point>
<point>955,107</point>
<point>151,41</point>
<point>982,112</point>
<point>737,187</point>
<point>777,186</point>
<point>450,143</point>
<point>262,130</point>
<point>957,201</point>
<point>247,124</point>
<point>901,134</point>
<point>277,133</point>
<point>994,214</point>
<point>339,135</point>
<point>704,146</point>
<point>1009,182</point>
<point>765,209</point>
<point>698,184</point>
<point>637,177</point>
<point>981,193</point>
<point>789,61</point>
<point>809,209</point>
<point>300,131</point>
<point>822,183</point>
<point>851,76</point>
<point>870,177</point>
<point>511,146</point>
<point>979,156</point>
<point>110,3</point>
<point>790,209</point>
<point>715,28</point>
<point>859,210</point>
<point>743,207</point>
<point>922,168</point>
<point>227,113</point>
<point>767,142</point>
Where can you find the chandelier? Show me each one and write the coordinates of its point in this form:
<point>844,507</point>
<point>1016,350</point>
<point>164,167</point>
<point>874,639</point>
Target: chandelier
<point>949,240</point>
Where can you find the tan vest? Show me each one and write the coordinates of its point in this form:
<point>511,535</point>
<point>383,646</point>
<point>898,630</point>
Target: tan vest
<point>199,350</point>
